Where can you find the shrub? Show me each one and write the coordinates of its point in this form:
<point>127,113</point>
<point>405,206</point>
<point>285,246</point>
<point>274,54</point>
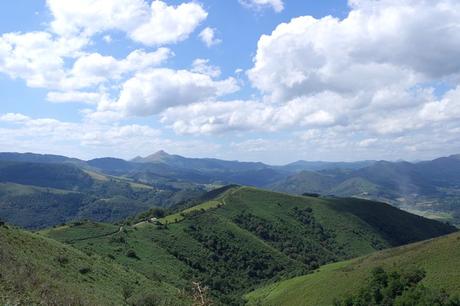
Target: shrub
<point>132,254</point>
<point>84,270</point>
<point>62,260</point>
<point>148,299</point>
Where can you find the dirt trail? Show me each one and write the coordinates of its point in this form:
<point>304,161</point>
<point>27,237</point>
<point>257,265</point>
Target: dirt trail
<point>98,236</point>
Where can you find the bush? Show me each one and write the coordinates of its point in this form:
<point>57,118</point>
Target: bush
<point>132,254</point>
<point>401,288</point>
<point>84,270</point>
<point>148,299</point>
<point>62,260</point>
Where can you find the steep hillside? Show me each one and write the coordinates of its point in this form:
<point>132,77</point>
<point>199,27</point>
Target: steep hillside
<point>245,237</point>
<point>38,271</point>
<point>437,257</point>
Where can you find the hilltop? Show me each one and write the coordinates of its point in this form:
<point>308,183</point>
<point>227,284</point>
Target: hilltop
<point>437,257</point>
<point>245,237</point>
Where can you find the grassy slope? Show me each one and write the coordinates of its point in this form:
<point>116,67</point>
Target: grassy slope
<point>438,257</point>
<point>35,269</point>
<point>211,246</point>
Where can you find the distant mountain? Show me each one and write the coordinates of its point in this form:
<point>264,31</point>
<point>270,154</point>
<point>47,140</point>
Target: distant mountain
<point>163,166</point>
<point>430,186</point>
<point>53,175</point>
<point>200,164</point>
<point>160,156</point>
<point>111,165</point>
<point>303,165</point>
<point>36,158</point>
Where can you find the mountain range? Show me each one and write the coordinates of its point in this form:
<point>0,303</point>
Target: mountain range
<point>430,188</point>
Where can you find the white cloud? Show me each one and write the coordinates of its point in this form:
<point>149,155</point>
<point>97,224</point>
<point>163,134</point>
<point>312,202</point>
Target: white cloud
<point>308,55</point>
<point>220,116</point>
<point>201,65</point>
<point>94,68</point>
<point>276,5</point>
<point>168,24</point>
<point>37,57</point>
<point>157,24</point>
<point>155,90</point>
<point>74,96</point>
<point>14,118</point>
<point>208,37</point>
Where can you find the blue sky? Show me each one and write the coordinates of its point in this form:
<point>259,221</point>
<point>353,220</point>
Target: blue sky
<point>267,80</point>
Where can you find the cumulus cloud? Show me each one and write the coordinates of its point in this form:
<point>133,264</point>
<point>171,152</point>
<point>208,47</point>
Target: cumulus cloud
<point>379,44</point>
<point>37,57</point>
<point>208,37</point>
<point>155,90</point>
<point>276,5</point>
<point>224,116</point>
<point>57,59</point>
<point>93,68</point>
<point>154,24</point>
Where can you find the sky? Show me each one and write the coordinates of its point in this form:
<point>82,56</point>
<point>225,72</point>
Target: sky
<point>254,80</point>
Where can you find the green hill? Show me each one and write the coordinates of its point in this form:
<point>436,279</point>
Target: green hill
<point>247,237</point>
<point>35,270</point>
<point>437,257</point>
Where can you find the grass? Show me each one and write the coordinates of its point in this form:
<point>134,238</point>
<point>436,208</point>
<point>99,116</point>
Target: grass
<point>177,217</point>
<point>440,216</point>
<point>105,178</point>
<point>8,189</point>
<point>438,257</point>
<point>37,270</point>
